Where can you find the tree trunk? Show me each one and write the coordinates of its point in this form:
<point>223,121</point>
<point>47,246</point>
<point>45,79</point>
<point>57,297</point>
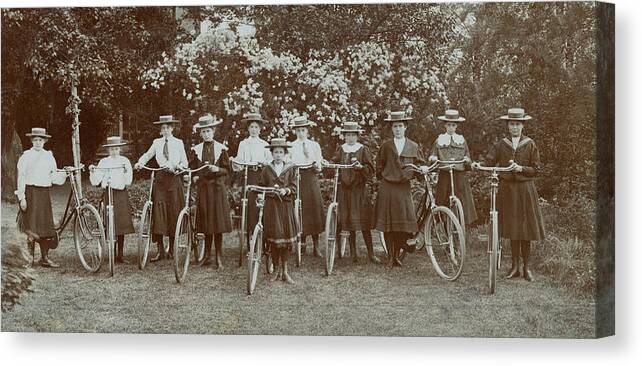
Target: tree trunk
<point>11,151</point>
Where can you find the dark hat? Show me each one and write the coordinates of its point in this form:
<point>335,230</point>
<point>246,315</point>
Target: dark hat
<point>350,127</point>
<point>253,117</point>
<point>38,132</point>
<point>113,141</point>
<point>301,121</point>
<point>451,115</point>
<point>207,121</point>
<point>516,114</point>
<point>278,142</point>
<point>398,116</point>
<point>166,119</point>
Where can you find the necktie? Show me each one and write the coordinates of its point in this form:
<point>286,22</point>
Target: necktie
<point>452,140</point>
<point>305,151</point>
<point>166,150</point>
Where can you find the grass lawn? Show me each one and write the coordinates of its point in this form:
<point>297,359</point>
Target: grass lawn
<point>358,299</point>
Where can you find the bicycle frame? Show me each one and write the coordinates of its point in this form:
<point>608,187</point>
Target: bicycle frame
<point>77,195</point>
<point>450,165</point>
<point>244,206</point>
<point>298,208</point>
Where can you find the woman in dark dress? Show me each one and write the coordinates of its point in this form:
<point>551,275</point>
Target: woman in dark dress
<point>450,146</point>
<point>212,203</point>
<point>395,211</point>
<point>278,213</point>
<point>520,218</point>
<point>355,206</point>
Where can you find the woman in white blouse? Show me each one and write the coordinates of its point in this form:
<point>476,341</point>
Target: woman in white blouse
<point>252,150</point>
<point>119,178</point>
<point>167,192</point>
<point>37,171</point>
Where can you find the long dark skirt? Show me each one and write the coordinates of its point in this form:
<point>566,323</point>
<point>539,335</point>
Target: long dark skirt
<point>280,227</point>
<point>169,200</point>
<point>311,203</point>
<point>395,210</point>
<point>122,214</point>
<point>252,210</point>
<point>355,208</point>
<point>520,217</point>
<point>462,191</point>
<point>37,220</point>
<point>213,209</point>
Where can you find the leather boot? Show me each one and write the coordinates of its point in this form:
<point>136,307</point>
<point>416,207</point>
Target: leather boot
<point>315,241</point>
<point>514,253</point>
<point>45,261</point>
<point>31,245</point>
<point>367,237</point>
<point>218,246</point>
<point>526,251</point>
<point>353,246</point>
<point>161,251</point>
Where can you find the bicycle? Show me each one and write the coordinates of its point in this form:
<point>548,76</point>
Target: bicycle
<point>454,203</point>
<point>89,234</point>
<point>298,212</point>
<point>145,225</point>
<point>185,239</point>
<point>244,208</point>
<point>108,210</point>
<point>494,242</point>
<point>255,252</point>
<point>442,231</point>
<point>332,218</point>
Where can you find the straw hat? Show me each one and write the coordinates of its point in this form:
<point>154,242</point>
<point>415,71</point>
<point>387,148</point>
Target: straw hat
<point>301,121</point>
<point>207,121</point>
<point>350,127</point>
<point>516,114</point>
<point>398,116</point>
<point>113,141</point>
<point>451,115</point>
<point>278,142</point>
<point>38,132</point>
<point>166,119</point>
<point>253,117</point>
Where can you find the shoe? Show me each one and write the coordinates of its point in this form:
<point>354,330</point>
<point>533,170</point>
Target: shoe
<point>355,259</point>
<point>219,263</point>
<point>48,263</point>
<point>317,253</point>
<point>396,262</point>
<point>528,275</point>
<point>303,248</point>
<point>207,261</point>
<point>119,260</point>
<point>374,259</point>
<point>288,279</point>
<point>157,258</point>
<point>513,273</point>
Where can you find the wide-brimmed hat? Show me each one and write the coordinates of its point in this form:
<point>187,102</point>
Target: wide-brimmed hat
<point>166,119</point>
<point>301,121</point>
<point>38,132</point>
<point>207,121</point>
<point>253,117</point>
<point>278,142</point>
<point>350,127</point>
<point>516,114</point>
<point>451,115</point>
<point>398,116</point>
<point>113,141</point>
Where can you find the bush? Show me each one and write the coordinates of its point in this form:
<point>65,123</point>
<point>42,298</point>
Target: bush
<point>17,278</point>
<point>138,194</point>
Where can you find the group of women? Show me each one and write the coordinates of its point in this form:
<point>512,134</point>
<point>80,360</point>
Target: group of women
<point>275,165</point>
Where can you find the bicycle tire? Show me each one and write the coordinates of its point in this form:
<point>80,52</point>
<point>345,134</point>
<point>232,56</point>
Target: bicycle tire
<point>458,209</point>
<point>299,225</point>
<point>254,258</point>
<point>330,238</point>
<point>183,238</point>
<point>144,235</point>
<point>493,255</point>
<point>242,231</point>
<point>445,248</point>
<point>89,237</point>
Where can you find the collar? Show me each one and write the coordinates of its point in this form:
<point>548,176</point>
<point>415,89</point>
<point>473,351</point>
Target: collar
<point>523,140</point>
<point>351,148</point>
<point>444,139</point>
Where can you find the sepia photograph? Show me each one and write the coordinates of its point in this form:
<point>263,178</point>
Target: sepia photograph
<point>383,169</point>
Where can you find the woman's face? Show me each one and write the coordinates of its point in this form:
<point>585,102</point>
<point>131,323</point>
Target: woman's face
<point>515,128</point>
<point>301,132</point>
<point>114,151</point>
<point>278,154</point>
<point>451,127</point>
<point>254,129</point>
<point>166,130</point>
<point>207,134</point>
<point>351,137</point>
<point>38,143</point>
<point>398,129</point>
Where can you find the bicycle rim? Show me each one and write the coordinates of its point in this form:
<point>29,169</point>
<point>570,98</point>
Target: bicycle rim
<point>89,237</point>
<point>144,235</point>
<point>182,245</point>
<point>492,258</point>
<point>254,258</point>
<point>443,243</point>
<point>331,238</point>
<point>458,209</point>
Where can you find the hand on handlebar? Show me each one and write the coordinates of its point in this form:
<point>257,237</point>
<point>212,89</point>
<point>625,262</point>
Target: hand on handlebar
<point>424,169</point>
<point>432,158</point>
<point>475,165</point>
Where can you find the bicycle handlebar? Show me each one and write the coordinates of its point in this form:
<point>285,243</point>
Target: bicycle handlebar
<point>122,166</point>
<point>417,169</point>
<point>304,166</point>
<point>245,164</point>
<point>181,171</point>
<point>152,169</point>
<point>71,169</point>
<point>451,162</point>
<point>262,189</point>
<point>498,169</point>
<point>340,166</point>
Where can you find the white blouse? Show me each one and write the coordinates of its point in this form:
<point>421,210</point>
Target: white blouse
<point>351,148</point>
<point>298,157</point>
<point>400,143</point>
<point>120,178</point>
<point>37,168</point>
<point>176,149</point>
<point>253,150</point>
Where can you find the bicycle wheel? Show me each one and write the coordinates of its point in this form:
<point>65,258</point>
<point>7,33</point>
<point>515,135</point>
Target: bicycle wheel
<point>254,258</point>
<point>419,198</point>
<point>183,238</point>
<point>331,238</point>
<point>144,235</point>
<point>242,231</point>
<point>111,237</point>
<point>343,242</point>
<point>493,255</point>
<point>299,224</point>
<point>382,240</point>
<point>458,209</point>
<point>89,237</point>
<point>443,243</point>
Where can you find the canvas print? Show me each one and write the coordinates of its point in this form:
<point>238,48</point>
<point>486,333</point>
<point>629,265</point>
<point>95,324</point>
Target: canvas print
<point>331,169</point>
